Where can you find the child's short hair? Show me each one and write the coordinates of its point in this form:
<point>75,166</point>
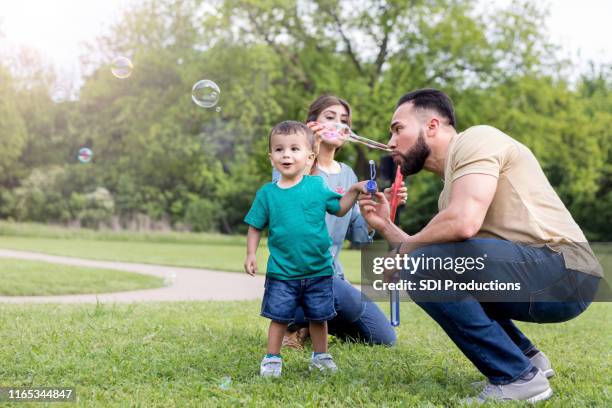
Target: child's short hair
<point>292,127</point>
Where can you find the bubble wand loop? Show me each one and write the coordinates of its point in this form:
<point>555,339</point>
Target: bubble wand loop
<point>394,294</point>
<point>343,131</point>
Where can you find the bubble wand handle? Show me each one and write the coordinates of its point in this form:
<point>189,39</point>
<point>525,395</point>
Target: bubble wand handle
<point>399,178</point>
<point>371,185</point>
<point>395,300</point>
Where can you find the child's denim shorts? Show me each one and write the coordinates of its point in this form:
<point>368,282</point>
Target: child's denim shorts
<point>282,297</point>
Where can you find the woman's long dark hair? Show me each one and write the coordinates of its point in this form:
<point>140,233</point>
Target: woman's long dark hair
<point>325,101</point>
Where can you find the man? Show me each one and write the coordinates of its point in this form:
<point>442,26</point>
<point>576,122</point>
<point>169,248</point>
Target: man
<point>498,206</point>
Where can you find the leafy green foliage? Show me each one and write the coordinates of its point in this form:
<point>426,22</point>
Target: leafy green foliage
<point>160,155</point>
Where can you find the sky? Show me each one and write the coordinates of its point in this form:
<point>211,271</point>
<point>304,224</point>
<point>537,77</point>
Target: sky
<point>58,28</point>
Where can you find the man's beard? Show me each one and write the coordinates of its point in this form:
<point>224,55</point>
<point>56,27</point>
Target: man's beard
<point>414,160</point>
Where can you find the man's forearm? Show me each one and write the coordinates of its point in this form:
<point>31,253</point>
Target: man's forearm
<point>446,226</point>
<point>393,234</point>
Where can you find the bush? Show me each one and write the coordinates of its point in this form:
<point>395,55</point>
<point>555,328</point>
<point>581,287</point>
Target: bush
<point>96,208</point>
<point>202,214</point>
<point>39,197</point>
<point>7,203</point>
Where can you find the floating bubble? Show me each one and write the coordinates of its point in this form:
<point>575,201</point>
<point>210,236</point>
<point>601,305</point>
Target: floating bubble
<point>218,109</point>
<point>122,67</point>
<point>226,383</point>
<point>85,155</point>
<point>205,93</point>
<point>334,131</point>
<point>170,279</point>
<point>59,94</point>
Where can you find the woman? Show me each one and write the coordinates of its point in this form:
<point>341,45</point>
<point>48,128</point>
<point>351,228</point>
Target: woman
<point>356,319</point>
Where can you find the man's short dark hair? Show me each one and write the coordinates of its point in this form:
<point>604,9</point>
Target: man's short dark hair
<point>432,99</point>
<point>292,127</point>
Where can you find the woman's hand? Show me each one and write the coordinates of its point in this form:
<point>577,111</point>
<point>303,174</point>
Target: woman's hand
<point>317,128</point>
<point>402,194</point>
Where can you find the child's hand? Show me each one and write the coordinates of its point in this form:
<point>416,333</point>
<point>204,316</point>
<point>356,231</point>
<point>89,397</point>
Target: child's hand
<point>250,265</point>
<point>360,187</point>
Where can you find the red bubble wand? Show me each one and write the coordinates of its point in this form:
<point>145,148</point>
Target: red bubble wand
<point>395,301</point>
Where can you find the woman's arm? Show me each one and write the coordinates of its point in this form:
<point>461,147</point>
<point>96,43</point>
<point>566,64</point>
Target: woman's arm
<point>358,232</point>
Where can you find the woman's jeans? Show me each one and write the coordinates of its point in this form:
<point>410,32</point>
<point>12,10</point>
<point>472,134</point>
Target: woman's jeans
<point>483,330</point>
<point>357,319</point>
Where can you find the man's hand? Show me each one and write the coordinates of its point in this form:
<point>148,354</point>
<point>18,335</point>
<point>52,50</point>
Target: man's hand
<point>376,213</point>
<point>402,193</point>
<point>250,264</point>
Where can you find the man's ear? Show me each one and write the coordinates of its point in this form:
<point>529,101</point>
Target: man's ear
<point>433,126</point>
<point>270,157</point>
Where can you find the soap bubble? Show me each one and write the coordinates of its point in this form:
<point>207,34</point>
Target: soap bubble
<point>170,279</point>
<point>85,155</point>
<point>59,94</point>
<point>226,383</point>
<point>218,109</point>
<point>205,93</point>
<point>122,67</point>
<point>335,131</point>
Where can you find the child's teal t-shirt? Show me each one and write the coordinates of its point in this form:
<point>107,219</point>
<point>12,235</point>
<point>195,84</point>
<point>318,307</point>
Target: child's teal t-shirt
<point>297,234</point>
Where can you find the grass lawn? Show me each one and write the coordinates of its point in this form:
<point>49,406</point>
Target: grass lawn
<point>177,355</point>
<point>31,278</point>
<point>211,251</point>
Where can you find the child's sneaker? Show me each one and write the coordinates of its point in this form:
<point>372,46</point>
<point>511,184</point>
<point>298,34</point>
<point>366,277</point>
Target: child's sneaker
<point>322,362</point>
<point>271,367</point>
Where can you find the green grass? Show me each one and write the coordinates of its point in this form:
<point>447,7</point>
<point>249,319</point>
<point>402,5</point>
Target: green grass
<point>209,251</point>
<point>29,229</point>
<point>31,278</point>
<point>176,355</point>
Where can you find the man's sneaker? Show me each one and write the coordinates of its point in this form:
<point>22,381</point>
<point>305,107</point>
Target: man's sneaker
<point>539,360</point>
<point>271,367</point>
<point>322,362</point>
<point>533,390</point>
<point>543,363</point>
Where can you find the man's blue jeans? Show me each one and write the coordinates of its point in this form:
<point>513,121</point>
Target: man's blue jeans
<point>484,331</point>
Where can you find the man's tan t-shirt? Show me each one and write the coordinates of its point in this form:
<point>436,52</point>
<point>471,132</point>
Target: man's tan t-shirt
<point>525,208</point>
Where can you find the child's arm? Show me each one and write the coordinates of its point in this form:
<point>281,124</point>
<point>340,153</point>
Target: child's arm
<point>349,199</point>
<point>250,263</point>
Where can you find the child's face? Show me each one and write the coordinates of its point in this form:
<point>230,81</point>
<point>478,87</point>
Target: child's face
<point>290,154</point>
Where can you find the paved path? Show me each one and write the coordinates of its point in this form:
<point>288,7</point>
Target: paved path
<point>189,284</point>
